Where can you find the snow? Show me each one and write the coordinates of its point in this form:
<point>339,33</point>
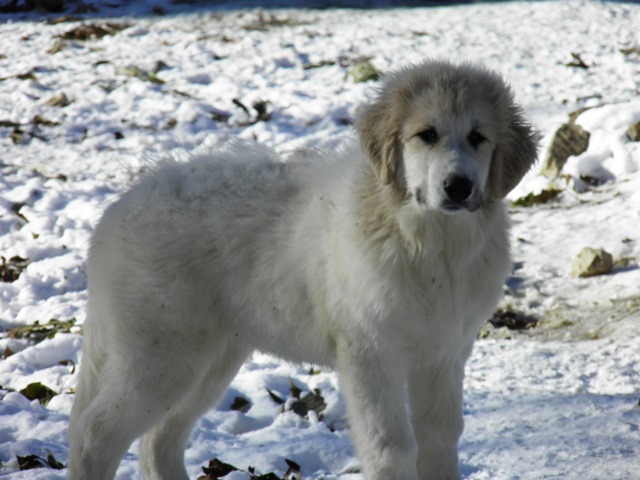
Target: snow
<point>558,401</point>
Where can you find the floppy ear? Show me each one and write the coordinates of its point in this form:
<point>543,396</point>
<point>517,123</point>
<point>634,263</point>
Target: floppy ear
<point>515,154</point>
<point>379,135</point>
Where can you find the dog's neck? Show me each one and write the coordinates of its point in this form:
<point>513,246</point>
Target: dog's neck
<point>386,216</point>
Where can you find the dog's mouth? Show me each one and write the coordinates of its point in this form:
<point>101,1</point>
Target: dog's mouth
<point>449,206</point>
<point>453,208</point>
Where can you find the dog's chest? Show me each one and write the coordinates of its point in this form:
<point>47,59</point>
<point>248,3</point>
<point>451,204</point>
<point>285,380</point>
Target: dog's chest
<point>447,294</point>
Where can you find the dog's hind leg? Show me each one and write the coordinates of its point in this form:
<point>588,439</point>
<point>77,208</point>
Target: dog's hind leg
<point>105,426</point>
<point>93,372</point>
<point>135,390</point>
<point>87,387</point>
<point>162,448</point>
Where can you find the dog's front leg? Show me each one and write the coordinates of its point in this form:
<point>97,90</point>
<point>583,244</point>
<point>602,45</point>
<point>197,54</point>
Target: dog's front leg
<point>374,387</point>
<point>436,404</point>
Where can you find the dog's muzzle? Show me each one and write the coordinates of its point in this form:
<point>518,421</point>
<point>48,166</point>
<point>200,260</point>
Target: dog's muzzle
<point>459,194</point>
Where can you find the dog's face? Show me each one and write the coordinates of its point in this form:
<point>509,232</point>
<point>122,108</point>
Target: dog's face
<point>446,157</point>
<point>450,138</point>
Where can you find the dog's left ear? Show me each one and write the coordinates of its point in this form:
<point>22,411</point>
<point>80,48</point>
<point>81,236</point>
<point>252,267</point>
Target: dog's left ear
<point>379,133</point>
<point>515,154</point>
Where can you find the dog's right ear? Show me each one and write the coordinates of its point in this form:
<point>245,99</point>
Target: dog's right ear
<point>380,138</point>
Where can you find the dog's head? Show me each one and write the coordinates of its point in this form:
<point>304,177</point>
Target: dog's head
<point>448,136</point>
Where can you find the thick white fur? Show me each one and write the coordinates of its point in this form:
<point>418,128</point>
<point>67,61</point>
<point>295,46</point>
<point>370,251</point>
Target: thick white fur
<point>347,259</point>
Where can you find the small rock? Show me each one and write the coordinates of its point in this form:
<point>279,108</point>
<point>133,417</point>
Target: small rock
<point>58,46</point>
<point>591,262</point>
<point>635,50</point>
<point>364,72</point>
<point>60,100</point>
<point>633,132</point>
<point>569,140</point>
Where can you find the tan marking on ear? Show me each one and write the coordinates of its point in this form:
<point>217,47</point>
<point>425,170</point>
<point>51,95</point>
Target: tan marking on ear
<point>379,128</point>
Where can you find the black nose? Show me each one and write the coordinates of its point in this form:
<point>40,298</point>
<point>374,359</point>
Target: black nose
<point>458,188</point>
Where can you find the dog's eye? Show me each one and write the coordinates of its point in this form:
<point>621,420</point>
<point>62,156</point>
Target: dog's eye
<point>429,136</point>
<point>475,138</point>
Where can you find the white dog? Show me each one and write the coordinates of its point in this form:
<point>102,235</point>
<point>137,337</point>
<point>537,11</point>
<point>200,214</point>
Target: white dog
<point>381,261</point>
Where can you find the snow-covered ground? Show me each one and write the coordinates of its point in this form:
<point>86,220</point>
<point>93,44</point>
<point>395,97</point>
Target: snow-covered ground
<point>558,401</point>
